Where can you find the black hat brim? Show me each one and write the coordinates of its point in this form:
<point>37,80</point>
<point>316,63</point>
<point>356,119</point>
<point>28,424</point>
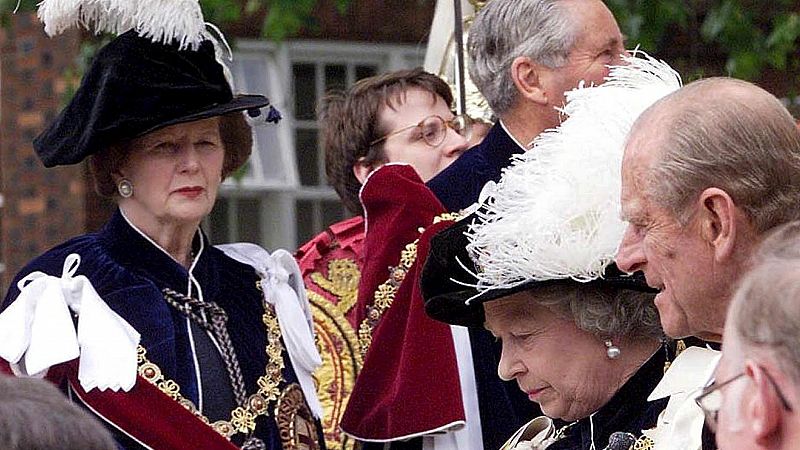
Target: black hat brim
<point>247,102</point>
<point>443,277</point>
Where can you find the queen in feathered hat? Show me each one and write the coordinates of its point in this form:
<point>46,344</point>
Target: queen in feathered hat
<point>534,265</point>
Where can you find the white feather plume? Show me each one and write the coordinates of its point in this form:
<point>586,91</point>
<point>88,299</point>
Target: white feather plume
<point>555,212</point>
<point>161,21</point>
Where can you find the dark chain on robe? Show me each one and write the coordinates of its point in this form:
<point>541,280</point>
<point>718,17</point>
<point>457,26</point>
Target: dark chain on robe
<point>198,311</point>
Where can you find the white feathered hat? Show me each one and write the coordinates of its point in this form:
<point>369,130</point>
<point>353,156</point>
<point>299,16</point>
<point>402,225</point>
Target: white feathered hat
<point>555,213</point>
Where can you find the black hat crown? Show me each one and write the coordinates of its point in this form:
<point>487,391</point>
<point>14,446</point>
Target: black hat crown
<point>135,86</point>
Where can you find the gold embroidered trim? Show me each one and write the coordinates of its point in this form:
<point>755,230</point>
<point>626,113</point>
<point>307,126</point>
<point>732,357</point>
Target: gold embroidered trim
<point>644,443</point>
<point>242,417</point>
<point>342,281</point>
<point>384,295</point>
<point>341,362</point>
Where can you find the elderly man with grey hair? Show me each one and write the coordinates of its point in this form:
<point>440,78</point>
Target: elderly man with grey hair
<point>523,56</point>
<point>753,404</point>
<point>707,171</point>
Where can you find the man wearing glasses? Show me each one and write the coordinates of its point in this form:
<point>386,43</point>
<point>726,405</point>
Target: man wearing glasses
<point>753,403</point>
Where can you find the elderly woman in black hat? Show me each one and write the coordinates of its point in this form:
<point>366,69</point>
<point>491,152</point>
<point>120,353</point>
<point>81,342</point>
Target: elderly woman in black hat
<point>534,265</point>
<point>179,344</point>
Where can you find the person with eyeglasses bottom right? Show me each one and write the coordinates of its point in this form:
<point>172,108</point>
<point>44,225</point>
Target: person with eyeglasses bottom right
<point>753,402</point>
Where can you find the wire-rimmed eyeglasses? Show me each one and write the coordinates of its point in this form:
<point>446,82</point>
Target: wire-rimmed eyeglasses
<point>433,129</point>
<point>710,399</point>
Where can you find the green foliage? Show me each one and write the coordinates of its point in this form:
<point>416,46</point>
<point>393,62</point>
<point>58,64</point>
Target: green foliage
<point>283,18</point>
<point>749,35</point>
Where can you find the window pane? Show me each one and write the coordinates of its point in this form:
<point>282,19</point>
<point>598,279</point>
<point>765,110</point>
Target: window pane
<point>249,220</point>
<point>304,212</point>
<point>365,71</point>
<point>332,212</point>
<point>307,157</point>
<point>254,75</point>
<point>218,222</point>
<point>335,77</point>
<point>305,97</point>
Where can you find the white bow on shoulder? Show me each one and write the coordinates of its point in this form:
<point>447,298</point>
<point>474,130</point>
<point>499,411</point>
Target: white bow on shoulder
<point>38,326</point>
<point>282,284</point>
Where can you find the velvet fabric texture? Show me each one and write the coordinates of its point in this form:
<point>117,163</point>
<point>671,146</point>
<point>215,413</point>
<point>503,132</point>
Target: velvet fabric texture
<point>128,271</point>
<point>459,185</point>
<point>409,384</point>
<point>448,260</point>
<point>133,87</point>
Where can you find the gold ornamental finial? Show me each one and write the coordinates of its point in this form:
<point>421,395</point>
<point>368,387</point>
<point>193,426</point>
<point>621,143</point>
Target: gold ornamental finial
<point>478,4</point>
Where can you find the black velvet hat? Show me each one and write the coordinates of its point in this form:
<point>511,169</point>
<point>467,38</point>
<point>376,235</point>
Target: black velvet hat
<point>448,260</point>
<point>135,86</point>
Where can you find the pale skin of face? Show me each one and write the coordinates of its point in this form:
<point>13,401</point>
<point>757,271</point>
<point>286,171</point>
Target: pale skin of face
<point>408,146</point>
<point>694,264</point>
<point>176,172</point>
<point>559,366</point>
<point>751,416</point>
<point>541,89</point>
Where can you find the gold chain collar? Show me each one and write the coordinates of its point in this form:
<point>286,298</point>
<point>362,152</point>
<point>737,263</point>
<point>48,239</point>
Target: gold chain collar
<point>384,295</point>
<point>242,417</point>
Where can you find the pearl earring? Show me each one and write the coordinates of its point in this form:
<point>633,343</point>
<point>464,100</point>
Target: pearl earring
<point>125,188</point>
<point>612,351</point>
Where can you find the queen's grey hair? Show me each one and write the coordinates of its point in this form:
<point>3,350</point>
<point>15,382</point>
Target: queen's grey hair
<point>764,310</point>
<point>505,29</point>
<point>731,135</point>
<point>602,310</point>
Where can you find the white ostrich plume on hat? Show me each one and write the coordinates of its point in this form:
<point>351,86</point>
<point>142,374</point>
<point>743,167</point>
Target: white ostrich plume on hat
<point>555,212</point>
<point>162,21</point>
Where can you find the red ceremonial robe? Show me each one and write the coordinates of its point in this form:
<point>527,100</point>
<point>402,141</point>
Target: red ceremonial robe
<point>409,384</point>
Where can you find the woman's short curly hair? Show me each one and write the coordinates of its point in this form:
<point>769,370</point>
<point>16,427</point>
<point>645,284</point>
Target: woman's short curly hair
<point>237,138</point>
<point>601,309</point>
<point>349,122</point>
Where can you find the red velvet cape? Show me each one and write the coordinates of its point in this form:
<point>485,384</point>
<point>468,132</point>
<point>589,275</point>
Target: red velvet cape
<point>409,384</point>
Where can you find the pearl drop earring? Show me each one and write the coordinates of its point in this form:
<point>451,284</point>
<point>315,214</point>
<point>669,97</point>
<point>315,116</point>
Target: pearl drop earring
<point>612,351</point>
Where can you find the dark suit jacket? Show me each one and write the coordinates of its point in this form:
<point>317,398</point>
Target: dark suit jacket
<point>458,186</point>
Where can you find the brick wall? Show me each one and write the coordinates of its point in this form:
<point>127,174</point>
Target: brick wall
<point>42,207</point>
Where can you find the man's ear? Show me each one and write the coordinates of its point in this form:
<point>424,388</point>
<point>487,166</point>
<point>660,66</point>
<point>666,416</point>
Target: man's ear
<point>763,408</point>
<point>526,76</point>
<point>361,170</point>
<point>717,215</point>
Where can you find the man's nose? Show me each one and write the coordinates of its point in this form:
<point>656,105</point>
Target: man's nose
<point>630,255</point>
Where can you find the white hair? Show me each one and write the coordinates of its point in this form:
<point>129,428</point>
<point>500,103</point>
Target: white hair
<point>728,134</point>
<point>764,309</point>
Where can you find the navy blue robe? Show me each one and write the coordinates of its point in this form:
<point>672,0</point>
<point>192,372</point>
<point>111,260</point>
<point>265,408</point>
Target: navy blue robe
<point>458,186</point>
<point>129,272</point>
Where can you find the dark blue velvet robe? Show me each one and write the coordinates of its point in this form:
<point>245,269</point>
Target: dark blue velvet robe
<point>627,411</point>
<point>128,271</point>
<point>459,185</point>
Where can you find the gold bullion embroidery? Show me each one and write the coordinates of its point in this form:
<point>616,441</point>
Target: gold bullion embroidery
<point>341,362</point>
<point>243,417</point>
<point>384,295</point>
<point>342,282</point>
<point>644,443</point>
